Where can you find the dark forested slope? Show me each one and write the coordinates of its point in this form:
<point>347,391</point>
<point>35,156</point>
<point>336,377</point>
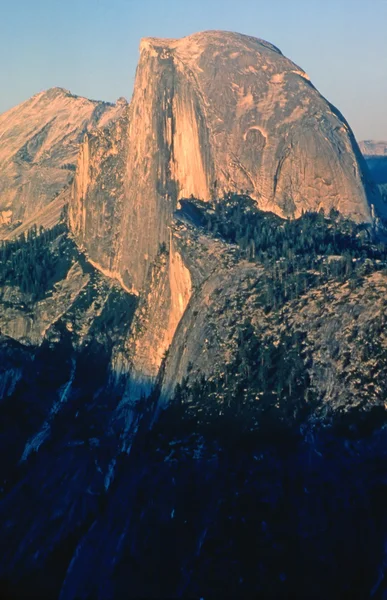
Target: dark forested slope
<point>256,467</point>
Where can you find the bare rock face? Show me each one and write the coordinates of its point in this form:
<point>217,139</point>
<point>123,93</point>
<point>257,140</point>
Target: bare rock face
<point>39,143</point>
<point>211,113</point>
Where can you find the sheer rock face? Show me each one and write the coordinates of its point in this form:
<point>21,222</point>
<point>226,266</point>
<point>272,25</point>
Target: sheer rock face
<point>168,292</point>
<point>39,144</point>
<point>211,113</point>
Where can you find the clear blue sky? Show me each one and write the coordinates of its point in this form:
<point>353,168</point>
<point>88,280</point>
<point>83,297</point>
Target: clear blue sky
<point>91,46</point>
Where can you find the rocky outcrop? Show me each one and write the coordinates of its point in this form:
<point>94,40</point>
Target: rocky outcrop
<point>49,216</point>
<point>169,291</point>
<point>211,114</point>
<point>39,145</point>
<point>75,294</point>
<point>30,327</point>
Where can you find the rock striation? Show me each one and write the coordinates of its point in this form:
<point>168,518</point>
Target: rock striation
<point>39,144</point>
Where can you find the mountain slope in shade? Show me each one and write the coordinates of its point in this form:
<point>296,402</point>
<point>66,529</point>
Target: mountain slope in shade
<point>39,143</point>
<point>212,113</point>
<point>373,148</point>
<point>271,448</point>
<point>375,154</point>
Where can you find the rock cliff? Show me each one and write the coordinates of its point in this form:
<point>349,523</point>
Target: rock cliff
<point>39,143</point>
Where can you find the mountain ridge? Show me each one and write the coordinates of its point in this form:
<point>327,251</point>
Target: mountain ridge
<point>40,141</point>
<point>375,153</point>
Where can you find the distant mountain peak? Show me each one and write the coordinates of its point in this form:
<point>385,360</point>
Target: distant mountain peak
<point>58,91</point>
<point>40,140</point>
<point>373,147</point>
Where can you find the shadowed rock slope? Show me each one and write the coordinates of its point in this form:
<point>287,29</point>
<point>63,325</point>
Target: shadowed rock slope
<point>39,143</point>
<point>373,148</point>
<point>375,154</point>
